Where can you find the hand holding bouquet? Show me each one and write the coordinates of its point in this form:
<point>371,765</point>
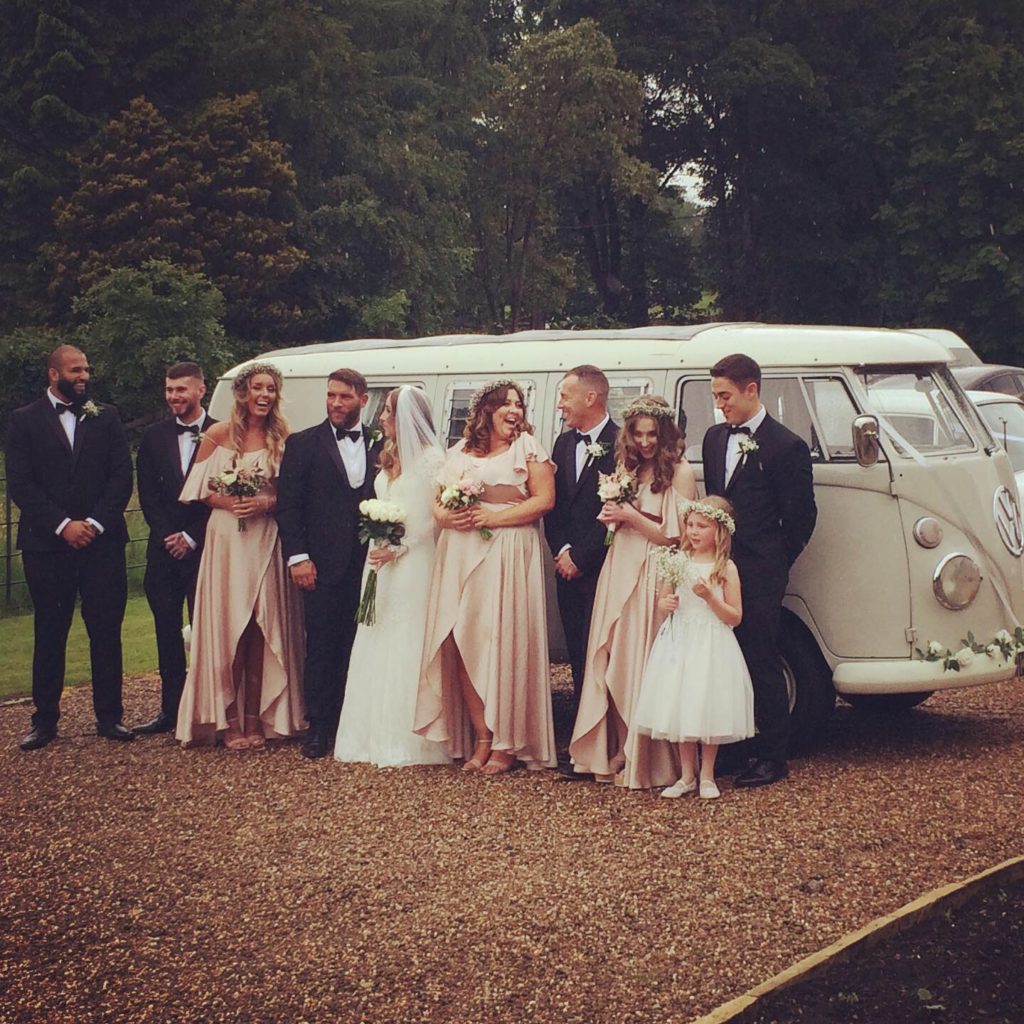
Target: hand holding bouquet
<point>238,483</point>
<point>619,487</point>
<point>383,523</point>
<point>462,494</point>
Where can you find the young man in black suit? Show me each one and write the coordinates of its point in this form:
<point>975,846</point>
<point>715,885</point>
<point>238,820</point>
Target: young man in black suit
<point>176,529</point>
<point>764,469</point>
<point>573,533</point>
<point>70,473</point>
<point>326,472</point>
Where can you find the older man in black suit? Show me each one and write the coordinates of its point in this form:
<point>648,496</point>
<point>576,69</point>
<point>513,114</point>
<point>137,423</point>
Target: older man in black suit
<point>764,469</point>
<point>571,528</point>
<point>326,472</point>
<point>176,529</point>
<point>70,473</point>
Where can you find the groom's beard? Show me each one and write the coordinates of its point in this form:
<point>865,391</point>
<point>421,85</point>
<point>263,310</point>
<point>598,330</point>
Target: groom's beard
<point>67,389</point>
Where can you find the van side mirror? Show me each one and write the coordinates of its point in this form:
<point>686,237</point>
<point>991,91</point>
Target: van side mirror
<point>865,440</point>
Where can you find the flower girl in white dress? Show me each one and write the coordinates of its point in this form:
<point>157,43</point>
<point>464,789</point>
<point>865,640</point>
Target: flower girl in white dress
<point>696,687</point>
<point>384,672</point>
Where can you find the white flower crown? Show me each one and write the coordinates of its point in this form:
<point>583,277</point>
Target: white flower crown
<point>646,407</point>
<point>719,515</point>
<point>486,389</point>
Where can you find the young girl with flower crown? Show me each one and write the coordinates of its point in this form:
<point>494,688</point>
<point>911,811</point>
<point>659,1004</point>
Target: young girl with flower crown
<point>696,687</point>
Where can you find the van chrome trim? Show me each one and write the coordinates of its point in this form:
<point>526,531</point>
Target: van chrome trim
<point>1006,512</point>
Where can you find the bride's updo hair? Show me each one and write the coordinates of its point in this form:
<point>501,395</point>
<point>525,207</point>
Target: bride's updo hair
<point>485,402</point>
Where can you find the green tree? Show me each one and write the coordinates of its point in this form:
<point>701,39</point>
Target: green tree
<point>23,357</point>
<point>135,322</point>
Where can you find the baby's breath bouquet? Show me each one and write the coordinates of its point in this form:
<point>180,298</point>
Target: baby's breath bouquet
<point>238,482</point>
<point>382,522</point>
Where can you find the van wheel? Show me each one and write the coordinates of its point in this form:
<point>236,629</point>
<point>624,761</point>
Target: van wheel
<point>812,696</point>
<point>886,703</point>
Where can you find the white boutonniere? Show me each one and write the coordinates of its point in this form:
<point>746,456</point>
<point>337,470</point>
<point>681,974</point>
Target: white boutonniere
<point>375,435</point>
<point>748,446</point>
<point>595,450</point>
<point>198,439</point>
<point>89,410</point>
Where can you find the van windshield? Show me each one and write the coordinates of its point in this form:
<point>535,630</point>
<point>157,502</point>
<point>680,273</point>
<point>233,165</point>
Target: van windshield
<point>917,413</point>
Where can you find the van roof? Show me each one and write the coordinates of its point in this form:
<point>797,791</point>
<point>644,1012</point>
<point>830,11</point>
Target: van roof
<point>695,345</point>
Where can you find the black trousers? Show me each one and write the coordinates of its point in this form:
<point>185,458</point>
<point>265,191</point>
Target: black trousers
<point>170,586</point>
<point>55,580</point>
<point>758,636</point>
<point>576,608</point>
<point>330,612</point>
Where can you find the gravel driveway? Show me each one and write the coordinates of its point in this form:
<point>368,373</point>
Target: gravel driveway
<point>140,882</point>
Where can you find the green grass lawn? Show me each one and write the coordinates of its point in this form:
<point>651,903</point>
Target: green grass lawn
<point>16,643</point>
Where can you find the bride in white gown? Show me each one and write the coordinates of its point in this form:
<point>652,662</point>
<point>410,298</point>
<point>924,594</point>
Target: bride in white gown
<point>383,676</point>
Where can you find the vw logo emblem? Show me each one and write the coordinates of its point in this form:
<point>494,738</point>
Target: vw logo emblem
<point>1006,512</point>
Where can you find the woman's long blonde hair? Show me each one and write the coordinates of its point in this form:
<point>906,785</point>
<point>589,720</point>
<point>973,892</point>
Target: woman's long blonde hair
<point>276,425</point>
<point>723,539</point>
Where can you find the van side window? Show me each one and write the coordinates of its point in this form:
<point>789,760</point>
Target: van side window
<point>456,406</point>
<point>819,410</point>
<point>621,391</point>
<point>375,403</point>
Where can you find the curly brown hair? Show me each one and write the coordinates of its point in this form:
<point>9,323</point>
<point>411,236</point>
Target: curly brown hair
<point>477,431</point>
<point>670,443</point>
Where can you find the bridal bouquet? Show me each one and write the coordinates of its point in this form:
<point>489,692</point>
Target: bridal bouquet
<point>238,483</point>
<point>619,487</point>
<point>463,493</point>
<point>382,522</point>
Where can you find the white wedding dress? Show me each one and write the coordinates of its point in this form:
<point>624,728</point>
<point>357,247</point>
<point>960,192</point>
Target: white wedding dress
<point>384,672</point>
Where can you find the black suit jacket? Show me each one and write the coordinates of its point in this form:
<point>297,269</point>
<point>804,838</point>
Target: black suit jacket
<point>573,520</point>
<point>160,481</point>
<point>772,492</point>
<point>317,508</point>
<point>50,482</point>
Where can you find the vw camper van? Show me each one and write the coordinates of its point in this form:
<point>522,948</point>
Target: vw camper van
<point>919,538</point>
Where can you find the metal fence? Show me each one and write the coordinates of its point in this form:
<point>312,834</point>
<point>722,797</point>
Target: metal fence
<point>12,576</point>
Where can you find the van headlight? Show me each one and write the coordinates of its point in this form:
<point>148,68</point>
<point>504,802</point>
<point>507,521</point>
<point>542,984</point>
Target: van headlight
<point>956,581</point>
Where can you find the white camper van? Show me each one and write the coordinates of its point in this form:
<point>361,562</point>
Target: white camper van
<point>919,536</point>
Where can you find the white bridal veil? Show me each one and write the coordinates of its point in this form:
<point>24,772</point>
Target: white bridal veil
<point>419,450</point>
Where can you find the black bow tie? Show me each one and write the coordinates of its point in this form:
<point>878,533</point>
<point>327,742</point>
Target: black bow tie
<point>585,438</point>
<point>739,430</point>
<point>183,429</point>
<point>352,435</point>
<point>62,408</point>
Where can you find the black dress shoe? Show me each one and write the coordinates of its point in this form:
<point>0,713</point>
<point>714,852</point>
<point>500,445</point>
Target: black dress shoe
<point>114,731</point>
<point>38,737</point>
<point>761,773</point>
<point>314,745</point>
<point>567,773</point>
<point>162,723</point>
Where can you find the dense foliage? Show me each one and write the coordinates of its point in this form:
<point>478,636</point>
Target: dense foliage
<point>335,168</point>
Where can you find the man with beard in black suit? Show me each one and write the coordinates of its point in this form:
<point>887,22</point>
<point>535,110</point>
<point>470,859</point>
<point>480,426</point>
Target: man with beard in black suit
<point>176,529</point>
<point>69,471</point>
<point>326,472</point>
<point>764,469</point>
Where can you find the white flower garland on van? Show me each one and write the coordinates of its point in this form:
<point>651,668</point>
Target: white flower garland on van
<point>1003,646</point>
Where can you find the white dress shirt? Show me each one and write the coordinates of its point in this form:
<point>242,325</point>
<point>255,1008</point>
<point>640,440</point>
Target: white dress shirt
<point>581,446</point>
<point>69,424</point>
<point>732,448</point>
<point>188,445</point>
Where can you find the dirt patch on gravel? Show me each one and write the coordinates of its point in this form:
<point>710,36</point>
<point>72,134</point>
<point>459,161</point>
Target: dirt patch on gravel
<point>145,883</point>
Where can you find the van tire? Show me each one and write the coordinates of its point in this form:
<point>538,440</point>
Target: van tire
<point>885,703</point>
<point>812,697</point>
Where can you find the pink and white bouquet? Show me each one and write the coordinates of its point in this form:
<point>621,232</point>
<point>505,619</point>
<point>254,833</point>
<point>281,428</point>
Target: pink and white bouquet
<point>382,522</point>
<point>619,487</point>
<point>238,483</point>
<point>463,493</point>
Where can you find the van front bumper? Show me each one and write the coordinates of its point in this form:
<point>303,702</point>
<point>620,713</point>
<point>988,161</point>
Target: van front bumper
<point>917,676</point>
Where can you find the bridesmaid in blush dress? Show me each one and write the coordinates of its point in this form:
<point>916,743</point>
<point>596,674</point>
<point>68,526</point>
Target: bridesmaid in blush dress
<point>626,617</point>
<point>485,684</point>
<point>245,671</point>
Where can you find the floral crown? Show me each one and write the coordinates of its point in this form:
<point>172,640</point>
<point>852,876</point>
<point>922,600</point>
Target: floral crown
<point>719,515</point>
<point>240,384</point>
<point>485,389</point>
<point>647,407</point>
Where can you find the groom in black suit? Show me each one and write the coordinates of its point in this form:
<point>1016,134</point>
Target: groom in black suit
<point>326,472</point>
<point>176,529</point>
<point>70,474</point>
<point>764,469</point>
<point>573,533</point>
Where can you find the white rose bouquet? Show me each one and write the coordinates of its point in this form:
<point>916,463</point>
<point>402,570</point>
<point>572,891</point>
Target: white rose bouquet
<point>619,487</point>
<point>238,483</point>
<point>382,522</point>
